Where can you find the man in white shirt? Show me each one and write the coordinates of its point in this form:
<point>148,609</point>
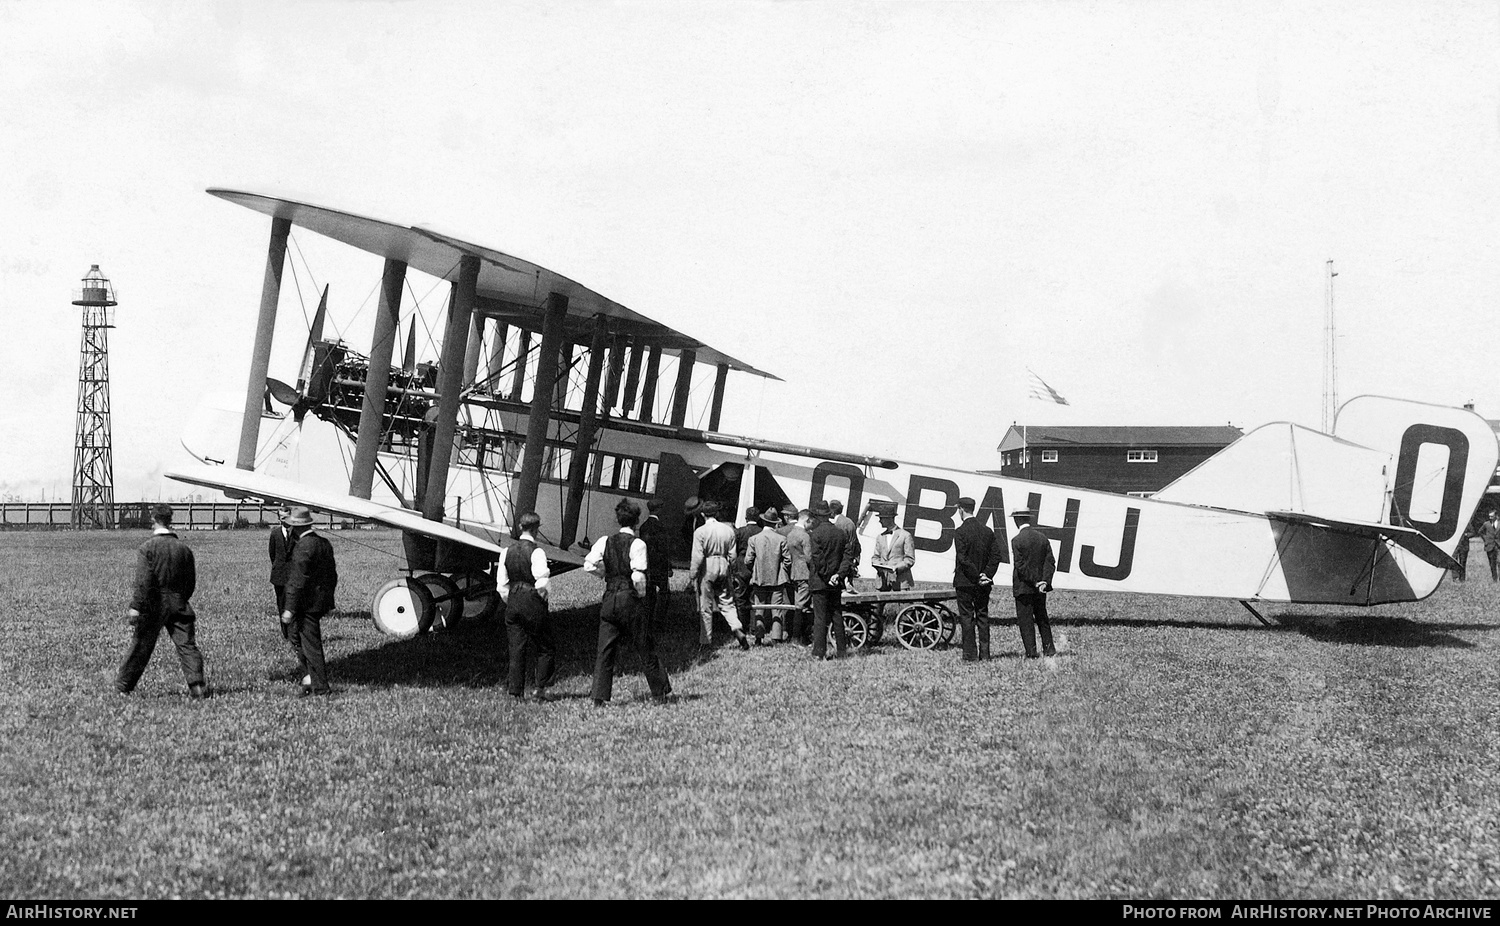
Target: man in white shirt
<point>714,547</point>
<point>621,559</point>
<point>524,575</point>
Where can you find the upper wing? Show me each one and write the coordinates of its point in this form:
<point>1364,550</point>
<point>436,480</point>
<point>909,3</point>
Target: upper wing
<point>272,488</point>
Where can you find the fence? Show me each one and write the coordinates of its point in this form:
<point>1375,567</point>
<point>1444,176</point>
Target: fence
<point>195,516</point>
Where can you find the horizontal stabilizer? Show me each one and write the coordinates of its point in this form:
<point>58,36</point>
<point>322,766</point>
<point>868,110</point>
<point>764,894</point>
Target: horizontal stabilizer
<point>1412,541</point>
<point>240,482</point>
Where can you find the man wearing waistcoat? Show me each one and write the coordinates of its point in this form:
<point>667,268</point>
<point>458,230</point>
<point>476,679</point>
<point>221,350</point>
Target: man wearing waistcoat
<point>524,575</point>
<point>621,559</point>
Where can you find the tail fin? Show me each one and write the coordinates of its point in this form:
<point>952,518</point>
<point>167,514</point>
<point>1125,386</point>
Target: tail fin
<point>1443,459</point>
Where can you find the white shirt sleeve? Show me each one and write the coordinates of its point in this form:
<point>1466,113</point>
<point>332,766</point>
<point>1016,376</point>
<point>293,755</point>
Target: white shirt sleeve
<point>594,562</point>
<point>541,572</point>
<point>502,582</point>
<point>638,565</point>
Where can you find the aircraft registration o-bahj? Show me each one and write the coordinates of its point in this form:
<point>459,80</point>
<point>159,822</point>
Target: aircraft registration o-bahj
<point>545,398</point>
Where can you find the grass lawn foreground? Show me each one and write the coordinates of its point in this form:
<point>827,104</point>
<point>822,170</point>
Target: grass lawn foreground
<point>1177,750</point>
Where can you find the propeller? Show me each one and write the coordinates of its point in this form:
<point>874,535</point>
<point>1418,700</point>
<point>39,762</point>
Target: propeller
<point>318,359</point>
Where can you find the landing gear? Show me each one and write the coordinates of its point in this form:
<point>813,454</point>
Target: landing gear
<point>423,601</point>
<point>403,608</point>
<point>447,599</point>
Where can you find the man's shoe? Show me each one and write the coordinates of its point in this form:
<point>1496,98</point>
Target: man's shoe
<point>199,692</point>
<point>744,641</point>
<point>599,702</point>
<point>667,698</point>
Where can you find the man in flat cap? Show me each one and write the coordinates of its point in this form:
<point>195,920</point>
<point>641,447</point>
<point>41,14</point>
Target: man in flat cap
<point>1032,567</point>
<point>312,577</point>
<point>165,576</point>
<point>795,531</point>
<point>711,565</point>
<point>976,556</point>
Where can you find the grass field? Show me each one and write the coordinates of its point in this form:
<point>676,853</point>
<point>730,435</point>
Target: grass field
<point>1177,750</point>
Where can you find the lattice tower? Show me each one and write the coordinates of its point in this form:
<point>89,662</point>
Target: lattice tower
<point>93,459</point>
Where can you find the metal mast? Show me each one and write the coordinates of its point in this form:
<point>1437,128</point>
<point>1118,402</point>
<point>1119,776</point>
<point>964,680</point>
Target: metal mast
<point>1330,360</point>
<point>93,463</point>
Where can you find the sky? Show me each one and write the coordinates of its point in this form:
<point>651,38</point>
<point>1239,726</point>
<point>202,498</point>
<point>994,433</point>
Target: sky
<point>896,208</point>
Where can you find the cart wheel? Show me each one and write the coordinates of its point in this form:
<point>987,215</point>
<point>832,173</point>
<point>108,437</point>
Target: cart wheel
<point>856,629</point>
<point>447,599</point>
<point>402,608</point>
<point>950,623</point>
<point>481,600</point>
<point>919,626</point>
<point>876,621</point>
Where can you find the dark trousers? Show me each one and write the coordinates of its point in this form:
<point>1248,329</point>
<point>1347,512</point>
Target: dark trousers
<point>974,619</point>
<point>1461,556</point>
<point>827,607</point>
<point>307,633</point>
<point>286,629</point>
<point>1031,615</point>
<point>741,589</point>
<point>529,632</point>
<point>1494,556</point>
<point>624,619</point>
<point>148,628</point>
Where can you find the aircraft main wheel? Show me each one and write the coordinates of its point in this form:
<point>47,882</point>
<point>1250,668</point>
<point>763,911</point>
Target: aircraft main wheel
<point>402,608</point>
<point>481,600</point>
<point>447,599</point>
<point>919,626</point>
<point>856,632</point>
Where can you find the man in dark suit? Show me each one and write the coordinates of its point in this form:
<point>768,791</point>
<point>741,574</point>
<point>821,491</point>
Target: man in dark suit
<point>658,563</point>
<point>312,577</point>
<point>281,557</point>
<point>165,576</point>
<point>741,572</point>
<point>976,556</point>
<point>830,562</point>
<point>1032,566</point>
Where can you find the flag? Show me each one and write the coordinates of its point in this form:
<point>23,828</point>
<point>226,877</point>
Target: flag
<point>1040,390</point>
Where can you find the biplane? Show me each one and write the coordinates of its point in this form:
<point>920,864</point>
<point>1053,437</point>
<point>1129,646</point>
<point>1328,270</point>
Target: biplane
<point>549,397</point>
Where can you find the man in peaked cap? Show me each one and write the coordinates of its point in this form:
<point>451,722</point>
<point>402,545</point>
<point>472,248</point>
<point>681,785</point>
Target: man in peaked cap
<point>1032,568</point>
<point>312,577</point>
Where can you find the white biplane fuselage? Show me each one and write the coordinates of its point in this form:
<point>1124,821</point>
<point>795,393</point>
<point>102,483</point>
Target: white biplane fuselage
<point>1369,514</point>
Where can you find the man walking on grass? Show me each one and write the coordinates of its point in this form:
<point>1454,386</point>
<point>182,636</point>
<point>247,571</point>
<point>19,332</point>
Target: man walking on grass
<point>621,559</point>
<point>165,576</point>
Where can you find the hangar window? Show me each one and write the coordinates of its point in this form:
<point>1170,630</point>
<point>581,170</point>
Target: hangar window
<point>1140,456</point>
<point>1049,456</point>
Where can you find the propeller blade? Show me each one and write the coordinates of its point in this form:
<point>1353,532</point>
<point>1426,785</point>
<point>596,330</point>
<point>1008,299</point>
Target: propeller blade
<point>281,392</point>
